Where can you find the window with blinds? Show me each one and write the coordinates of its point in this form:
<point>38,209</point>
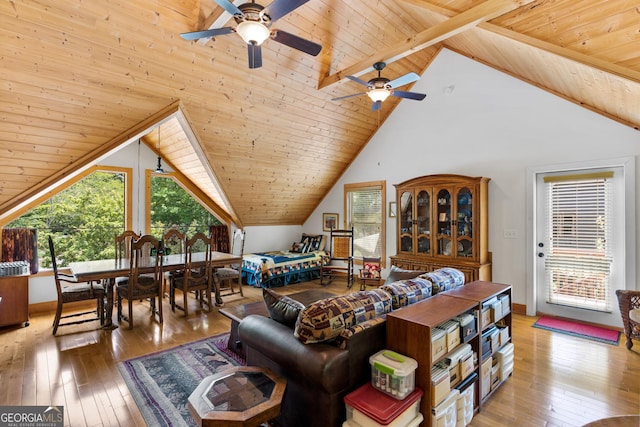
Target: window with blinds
<point>365,212</point>
<point>579,258</point>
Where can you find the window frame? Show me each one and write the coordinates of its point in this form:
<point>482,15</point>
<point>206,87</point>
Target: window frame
<point>377,185</point>
<point>186,186</point>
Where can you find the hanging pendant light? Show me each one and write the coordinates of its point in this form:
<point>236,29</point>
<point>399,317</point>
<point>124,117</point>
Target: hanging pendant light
<point>159,167</point>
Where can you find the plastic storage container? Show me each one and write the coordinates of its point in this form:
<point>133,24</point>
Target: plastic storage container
<point>464,404</point>
<point>446,413</point>
<point>505,361</point>
<point>392,373</point>
<point>366,406</point>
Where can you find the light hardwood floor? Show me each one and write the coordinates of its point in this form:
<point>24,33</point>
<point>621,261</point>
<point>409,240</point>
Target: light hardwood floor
<point>558,380</point>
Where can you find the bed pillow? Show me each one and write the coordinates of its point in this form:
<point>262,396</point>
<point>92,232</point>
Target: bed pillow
<point>298,247</point>
<point>316,242</point>
<point>282,308</point>
<point>396,274</point>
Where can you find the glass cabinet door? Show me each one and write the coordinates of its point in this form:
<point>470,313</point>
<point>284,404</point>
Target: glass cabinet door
<point>464,212</point>
<point>423,222</point>
<point>406,222</point>
<point>444,220</point>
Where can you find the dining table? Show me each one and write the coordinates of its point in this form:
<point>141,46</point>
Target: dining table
<point>107,270</point>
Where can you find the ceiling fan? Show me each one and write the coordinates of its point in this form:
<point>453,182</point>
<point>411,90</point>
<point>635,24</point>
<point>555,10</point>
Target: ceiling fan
<point>380,87</point>
<point>253,25</point>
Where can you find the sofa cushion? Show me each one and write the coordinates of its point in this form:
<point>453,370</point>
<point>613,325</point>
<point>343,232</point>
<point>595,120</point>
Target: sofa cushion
<point>408,291</point>
<point>444,279</point>
<point>396,274</point>
<point>325,319</point>
<point>281,308</point>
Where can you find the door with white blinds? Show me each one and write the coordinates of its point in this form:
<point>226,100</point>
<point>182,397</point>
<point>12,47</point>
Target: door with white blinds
<point>579,246</point>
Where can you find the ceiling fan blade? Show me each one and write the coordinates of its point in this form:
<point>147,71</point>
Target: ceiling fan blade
<point>255,55</point>
<point>229,7</point>
<point>404,80</point>
<point>375,106</point>
<point>279,8</point>
<point>357,80</point>
<point>207,33</point>
<point>296,42</point>
<point>348,96</point>
<point>409,95</point>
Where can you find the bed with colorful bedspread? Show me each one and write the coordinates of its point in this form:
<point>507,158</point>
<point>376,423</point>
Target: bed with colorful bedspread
<point>281,268</point>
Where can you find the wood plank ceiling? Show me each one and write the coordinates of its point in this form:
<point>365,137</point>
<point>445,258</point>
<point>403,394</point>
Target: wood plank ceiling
<point>80,77</point>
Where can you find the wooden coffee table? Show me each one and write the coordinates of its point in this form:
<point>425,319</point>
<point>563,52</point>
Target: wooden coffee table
<point>239,312</point>
<point>242,396</point>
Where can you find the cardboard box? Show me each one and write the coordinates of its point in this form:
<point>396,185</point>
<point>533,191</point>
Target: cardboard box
<point>468,326</point>
<point>452,333</point>
<point>438,343</point>
<point>440,385</point>
<point>485,378</point>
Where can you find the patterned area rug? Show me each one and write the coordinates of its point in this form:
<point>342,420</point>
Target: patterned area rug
<point>576,329</point>
<point>162,382</point>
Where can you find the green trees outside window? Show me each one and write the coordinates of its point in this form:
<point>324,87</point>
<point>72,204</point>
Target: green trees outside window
<point>172,206</point>
<point>82,219</point>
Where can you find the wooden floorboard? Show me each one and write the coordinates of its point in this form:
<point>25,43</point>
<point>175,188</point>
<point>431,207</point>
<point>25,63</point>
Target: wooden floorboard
<point>558,380</point>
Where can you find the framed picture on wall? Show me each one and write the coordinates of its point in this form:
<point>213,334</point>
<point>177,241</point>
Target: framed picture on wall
<point>329,221</point>
<point>392,209</point>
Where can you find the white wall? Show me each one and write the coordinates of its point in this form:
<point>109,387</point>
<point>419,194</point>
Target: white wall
<point>489,125</point>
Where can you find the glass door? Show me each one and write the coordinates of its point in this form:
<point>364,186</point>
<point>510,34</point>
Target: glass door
<point>443,221</point>
<point>405,222</point>
<point>423,222</point>
<point>464,214</point>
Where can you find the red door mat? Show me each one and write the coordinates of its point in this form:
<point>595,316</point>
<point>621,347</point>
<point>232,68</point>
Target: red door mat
<point>581,330</point>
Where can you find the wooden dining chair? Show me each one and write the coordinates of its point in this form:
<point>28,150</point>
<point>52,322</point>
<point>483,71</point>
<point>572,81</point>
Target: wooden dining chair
<point>226,276</point>
<point>173,242</point>
<point>122,244</point>
<point>70,290</point>
<point>145,277</point>
<point>193,278</point>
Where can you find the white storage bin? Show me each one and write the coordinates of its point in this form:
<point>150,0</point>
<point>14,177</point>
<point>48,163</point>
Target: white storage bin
<point>505,301</point>
<point>393,373</point>
<point>465,402</point>
<point>446,413</point>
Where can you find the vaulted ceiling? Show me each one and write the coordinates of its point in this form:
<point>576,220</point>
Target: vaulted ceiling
<point>79,78</point>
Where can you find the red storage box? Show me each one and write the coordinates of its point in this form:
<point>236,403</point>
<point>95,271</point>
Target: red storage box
<point>367,406</point>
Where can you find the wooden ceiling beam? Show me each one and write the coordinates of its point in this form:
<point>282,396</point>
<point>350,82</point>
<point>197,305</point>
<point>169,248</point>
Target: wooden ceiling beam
<point>429,37</point>
<point>588,60</point>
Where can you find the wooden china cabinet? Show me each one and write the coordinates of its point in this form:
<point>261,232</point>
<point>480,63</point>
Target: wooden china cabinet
<point>443,221</point>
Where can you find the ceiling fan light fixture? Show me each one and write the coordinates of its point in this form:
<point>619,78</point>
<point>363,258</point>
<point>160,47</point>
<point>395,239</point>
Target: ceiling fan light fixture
<point>379,95</point>
<point>253,32</point>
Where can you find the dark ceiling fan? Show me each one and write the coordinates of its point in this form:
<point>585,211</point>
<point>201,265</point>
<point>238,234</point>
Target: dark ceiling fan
<point>380,87</point>
<point>254,22</point>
